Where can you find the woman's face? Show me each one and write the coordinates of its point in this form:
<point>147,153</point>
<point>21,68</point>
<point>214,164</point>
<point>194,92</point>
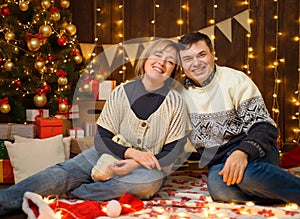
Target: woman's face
<point>160,64</point>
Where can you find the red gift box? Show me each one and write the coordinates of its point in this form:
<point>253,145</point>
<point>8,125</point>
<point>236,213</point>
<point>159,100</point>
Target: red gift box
<point>49,127</point>
<point>6,171</point>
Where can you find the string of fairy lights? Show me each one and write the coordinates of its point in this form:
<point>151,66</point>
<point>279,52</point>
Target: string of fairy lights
<point>155,6</point>
<point>121,34</point>
<point>250,50</point>
<point>212,21</point>
<point>180,21</point>
<point>277,80</point>
<point>297,92</point>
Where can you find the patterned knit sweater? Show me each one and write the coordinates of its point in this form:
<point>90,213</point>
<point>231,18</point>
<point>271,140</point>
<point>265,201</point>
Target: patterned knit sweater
<point>167,124</point>
<point>229,111</point>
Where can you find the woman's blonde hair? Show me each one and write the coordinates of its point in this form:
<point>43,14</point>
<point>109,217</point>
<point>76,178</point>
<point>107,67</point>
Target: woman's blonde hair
<point>156,46</point>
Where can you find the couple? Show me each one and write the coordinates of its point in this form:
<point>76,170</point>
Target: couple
<point>231,130</point>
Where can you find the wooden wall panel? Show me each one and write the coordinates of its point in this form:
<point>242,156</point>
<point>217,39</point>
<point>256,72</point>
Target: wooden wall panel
<point>198,17</point>
<point>139,13</point>
<point>83,18</point>
<point>289,25</point>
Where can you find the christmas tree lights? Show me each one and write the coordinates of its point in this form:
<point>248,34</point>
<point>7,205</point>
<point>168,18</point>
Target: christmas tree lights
<point>37,41</point>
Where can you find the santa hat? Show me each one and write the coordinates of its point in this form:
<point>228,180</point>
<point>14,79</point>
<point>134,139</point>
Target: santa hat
<point>38,208</point>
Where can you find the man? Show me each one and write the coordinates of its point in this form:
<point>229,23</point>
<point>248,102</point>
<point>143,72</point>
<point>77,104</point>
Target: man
<point>232,130</point>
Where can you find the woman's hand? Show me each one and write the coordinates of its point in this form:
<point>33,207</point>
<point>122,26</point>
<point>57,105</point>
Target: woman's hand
<point>146,159</point>
<point>123,167</point>
<point>235,165</point>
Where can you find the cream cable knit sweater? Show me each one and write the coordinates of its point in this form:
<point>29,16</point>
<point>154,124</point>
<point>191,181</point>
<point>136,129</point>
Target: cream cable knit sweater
<point>168,123</point>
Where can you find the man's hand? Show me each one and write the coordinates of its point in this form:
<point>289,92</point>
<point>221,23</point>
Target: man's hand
<point>123,167</point>
<point>146,159</point>
<point>235,165</point>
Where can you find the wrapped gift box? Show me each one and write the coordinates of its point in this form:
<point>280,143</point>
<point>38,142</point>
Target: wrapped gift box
<point>49,127</point>
<point>32,114</point>
<point>73,113</point>
<point>104,89</point>
<point>8,130</point>
<point>90,128</point>
<point>6,172</point>
<point>76,132</point>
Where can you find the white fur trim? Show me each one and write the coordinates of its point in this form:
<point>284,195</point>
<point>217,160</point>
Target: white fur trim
<point>44,209</point>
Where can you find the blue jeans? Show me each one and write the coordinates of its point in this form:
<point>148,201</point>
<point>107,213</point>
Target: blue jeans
<point>263,183</point>
<point>72,178</point>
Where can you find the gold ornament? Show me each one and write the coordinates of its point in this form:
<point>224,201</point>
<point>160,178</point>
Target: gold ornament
<point>45,30</point>
<point>45,4</point>
<point>8,66</point>
<point>9,36</point>
<point>24,5</point>
<point>38,65</point>
<point>63,108</point>
<point>78,59</point>
<point>34,44</point>
<point>50,70</point>
<point>99,77</point>
<point>40,100</point>
<point>55,16</point>
<point>71,29</point>
<point>64,24</point>
<point>62,81</point>
<point>42,70</point>
<point>65,3</point>
<point>86,88</point>
<point>5,108</point>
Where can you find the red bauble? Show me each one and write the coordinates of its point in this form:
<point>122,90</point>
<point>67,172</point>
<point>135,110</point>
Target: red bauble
<point>47,88</point>
<point>50,58</point>
<point>5,11</point>
<point>62,41</point>
<point>1,60</point>
<point>40,59</point>
<point>19,83</point>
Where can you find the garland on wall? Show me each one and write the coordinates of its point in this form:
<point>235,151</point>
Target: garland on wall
<point>131,49</point>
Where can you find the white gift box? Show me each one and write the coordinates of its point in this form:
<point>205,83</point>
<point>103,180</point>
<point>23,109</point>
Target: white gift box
<point>90,128</point>
<point>32,114</point>
<point>76,132</point>
<point>73,113</point>
<point>105,88</point>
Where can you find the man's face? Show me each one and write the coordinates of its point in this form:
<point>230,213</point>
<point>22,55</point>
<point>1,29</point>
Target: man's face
<point>197,62</point>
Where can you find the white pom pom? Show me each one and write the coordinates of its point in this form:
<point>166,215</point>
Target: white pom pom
<point>113,208</point>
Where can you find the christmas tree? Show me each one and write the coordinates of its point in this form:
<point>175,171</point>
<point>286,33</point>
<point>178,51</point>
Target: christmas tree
<point>40,57</point>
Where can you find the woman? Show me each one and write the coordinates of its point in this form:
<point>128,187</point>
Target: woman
<point>148,114</point>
